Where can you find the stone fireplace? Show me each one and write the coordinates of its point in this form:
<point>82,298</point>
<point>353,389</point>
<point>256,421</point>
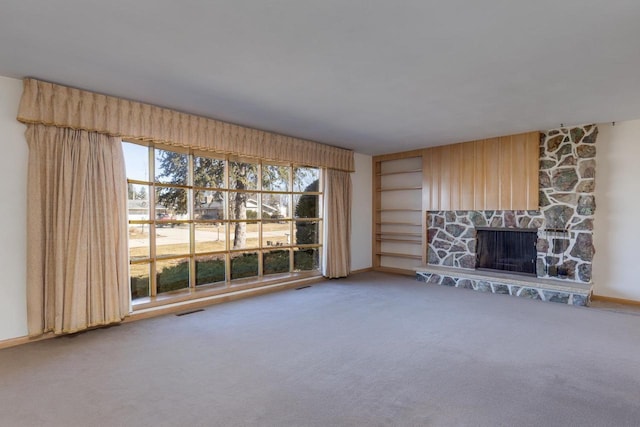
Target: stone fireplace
<point>564,222</point>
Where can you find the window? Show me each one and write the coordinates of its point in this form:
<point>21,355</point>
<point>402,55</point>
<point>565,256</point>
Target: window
<point>201,221</point>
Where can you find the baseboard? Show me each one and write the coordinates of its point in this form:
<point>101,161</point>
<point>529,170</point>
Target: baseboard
<point>12,342</point>
<point>603,298</point>
<point>362,270</point>
<point>392,270</point>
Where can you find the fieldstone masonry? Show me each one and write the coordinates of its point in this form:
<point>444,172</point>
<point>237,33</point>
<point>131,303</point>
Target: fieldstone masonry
<point>564,220</point>
<point>570,296</point>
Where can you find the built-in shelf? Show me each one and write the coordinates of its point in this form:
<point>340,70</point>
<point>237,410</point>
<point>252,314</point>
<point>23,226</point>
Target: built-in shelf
<point>394,233</point>
<point>412,242</point>
<point>399,172</point>
<point>400,188</point>
<point>397,255</point>
<point>397,184</point>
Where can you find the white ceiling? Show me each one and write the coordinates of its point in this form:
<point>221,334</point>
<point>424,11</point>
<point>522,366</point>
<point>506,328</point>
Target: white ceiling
<point>375,76</point>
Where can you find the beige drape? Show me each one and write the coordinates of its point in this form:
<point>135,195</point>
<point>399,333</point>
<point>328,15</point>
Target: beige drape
<point>77,243</point>
<point>62,106</point>
<point>336,260</point>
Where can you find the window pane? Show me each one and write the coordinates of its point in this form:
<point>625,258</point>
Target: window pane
<point>172,274</point>
<point>171,167</point>
<point>276,233</point>
<point>306,206</point>
<point>243,176</point>
<point>275,262</point>
<point>208,172</point>
<point>275,178</point>
<point>244,235</point>
<point>210,237</point>
<point>306,259</point>
<point>139,280</point>
<point>306,179</point>
<point>138,202</point>
<point>136,158</point>
<point>138,241</point>
<point>243,205</point>
<point>171,203</point>
<point>172,239</point>
<point>210,270</point>
<point>306,232</point>
<point>244,265</point>
<point>276,206</point>
<point>208,205</point>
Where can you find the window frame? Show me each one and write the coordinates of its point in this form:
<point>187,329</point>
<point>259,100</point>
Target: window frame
<point>228,253</point>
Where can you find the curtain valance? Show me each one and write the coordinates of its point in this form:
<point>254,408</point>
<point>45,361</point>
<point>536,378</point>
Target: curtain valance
<point>61,106</point>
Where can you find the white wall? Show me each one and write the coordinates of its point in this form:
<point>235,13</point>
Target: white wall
<point>361,215</point>
<point>13,229</point>
<point>617,218</point>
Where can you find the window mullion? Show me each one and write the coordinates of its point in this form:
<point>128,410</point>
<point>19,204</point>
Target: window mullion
<point>152,226</point>
<point>190,214</point>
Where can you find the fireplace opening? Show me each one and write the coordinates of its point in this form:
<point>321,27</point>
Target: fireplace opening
<point>507,249</point>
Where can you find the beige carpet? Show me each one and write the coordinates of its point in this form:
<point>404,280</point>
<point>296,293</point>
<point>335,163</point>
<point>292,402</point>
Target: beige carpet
<point>371,350</point>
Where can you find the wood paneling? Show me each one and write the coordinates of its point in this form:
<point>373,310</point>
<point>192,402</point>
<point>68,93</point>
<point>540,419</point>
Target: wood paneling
<point>496,173</point>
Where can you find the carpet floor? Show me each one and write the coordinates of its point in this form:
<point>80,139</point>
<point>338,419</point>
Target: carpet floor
<point>370,350</point>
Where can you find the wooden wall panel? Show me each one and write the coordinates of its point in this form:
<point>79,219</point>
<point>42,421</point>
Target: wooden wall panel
<point>496,173</point>
<point>505,178</point>
<point>467,179</point>
<point>491,158</point>
<point>479,195</point>
<point>519,171</point>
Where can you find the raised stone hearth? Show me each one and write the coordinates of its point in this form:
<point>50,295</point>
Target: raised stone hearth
<point>508,284</point>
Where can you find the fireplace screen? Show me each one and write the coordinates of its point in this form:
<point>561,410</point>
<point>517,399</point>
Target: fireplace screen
<point>507,249</point>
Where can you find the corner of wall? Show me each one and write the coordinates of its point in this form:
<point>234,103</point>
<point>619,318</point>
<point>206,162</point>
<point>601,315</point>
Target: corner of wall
<point>361,215</point>
<point>13,215</point>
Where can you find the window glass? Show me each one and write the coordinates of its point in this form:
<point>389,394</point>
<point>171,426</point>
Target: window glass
<point>172,275</point>
<point>243,176</point>
<point>208,205</point>
<point>210,237</point>
<point>244,265</point>
<point>210,269</point>
<point>208,172</point>
<point>171,203</point>
<point>306,233</point>
<point>139,241</point>
<point>276,206</point>
<point>138,202</point>
<point>136,158</point>
<point>276,262</point>
<point>306,179</point>
<point>276,234</point>
<point>306,206</point>
<point>172,239</point>
<point>306,259</point>
<point>140,284</point>
<point>275,178</point>
<point>171,167</point>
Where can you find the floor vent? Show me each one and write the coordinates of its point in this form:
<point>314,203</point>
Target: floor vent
<point>303,287</point>
<point>190,312</point>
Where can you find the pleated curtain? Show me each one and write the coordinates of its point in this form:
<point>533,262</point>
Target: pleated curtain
<point>77,230</point>
<point>337,241</point>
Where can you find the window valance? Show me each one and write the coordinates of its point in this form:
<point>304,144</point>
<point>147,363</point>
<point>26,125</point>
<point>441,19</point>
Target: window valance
<point>55,105</point>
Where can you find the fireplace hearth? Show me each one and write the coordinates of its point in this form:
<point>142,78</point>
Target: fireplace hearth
<point>510,250</point>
